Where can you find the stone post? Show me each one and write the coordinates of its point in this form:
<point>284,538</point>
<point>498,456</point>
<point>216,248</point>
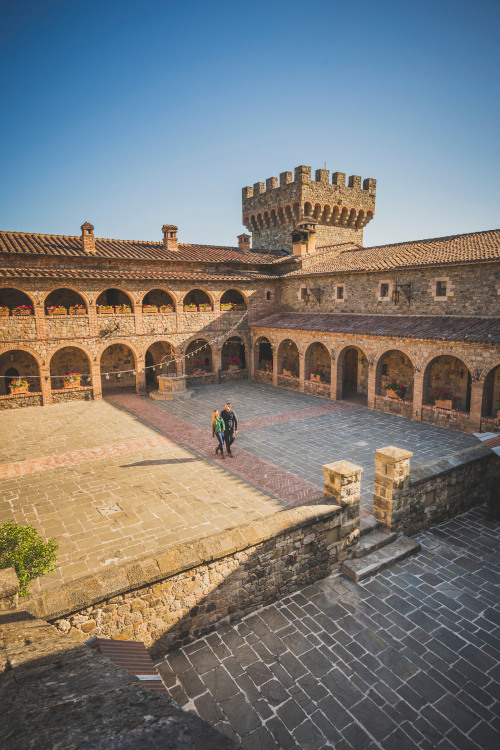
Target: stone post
<point>95,372</point>
<point>275,365</point>
<point>45,384</point>
<point>372,372</point>
<point>140,374</point>
<point>40,326</point>
<point>217,362</point>
<point>333,378</point>
<point>476,404</point>
<point>392,475</point>
<point>302,370</point>
<point>343,484</point>
<point>418,394</point>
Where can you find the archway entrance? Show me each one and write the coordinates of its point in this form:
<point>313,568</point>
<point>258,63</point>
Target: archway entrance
<point>159,361</point>
<point>352,375</point>
<point>491,393</point>
<point>198,358</point>
<point>449,375</point>
<point>233,354</point>
<point>264,355</point>
<point>118,367</point>
<point>18,364</point>
<point>69,359</point>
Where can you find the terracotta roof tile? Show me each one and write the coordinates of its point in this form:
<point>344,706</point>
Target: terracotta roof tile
<point>460,248</point>
<point>446,328</point>
<point>114,273</point>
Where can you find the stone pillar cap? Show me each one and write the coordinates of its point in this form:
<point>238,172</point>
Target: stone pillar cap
<point>343,467</point>
<point>391,452</point>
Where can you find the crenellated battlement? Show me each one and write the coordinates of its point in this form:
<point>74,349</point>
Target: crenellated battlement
<point>272,209</point>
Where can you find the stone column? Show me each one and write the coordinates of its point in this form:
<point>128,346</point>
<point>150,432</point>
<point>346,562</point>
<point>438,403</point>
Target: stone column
<point>93,321</point>
<point>217,362</point>
<point>333,377</point>
<point>95,371</point>
<point>302,370</point>
<point>275,364</point>
<point>139,328</point>
<point>343,484</point>
<point>392,477</point>
<point>372,372</point>
<point>45,384</point>
<point>476,405</point>
<point>140,374</point>
<point>40,326</point>
<point>418,394</point>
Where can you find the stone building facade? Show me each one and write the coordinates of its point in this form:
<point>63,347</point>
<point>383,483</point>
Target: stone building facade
<point>331,318</point>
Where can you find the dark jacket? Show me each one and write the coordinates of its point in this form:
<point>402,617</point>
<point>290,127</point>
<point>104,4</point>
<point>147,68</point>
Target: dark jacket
<point>230,420</point>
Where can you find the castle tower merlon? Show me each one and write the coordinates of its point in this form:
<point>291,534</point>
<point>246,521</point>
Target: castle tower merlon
<point>286,178</point>
<point>271,183</point>
<point>355,181</point>
<point>371,185</point>
<point>258,188</point>
<point>302,174</point>
<point>338,178</point>
<point>322,175</point>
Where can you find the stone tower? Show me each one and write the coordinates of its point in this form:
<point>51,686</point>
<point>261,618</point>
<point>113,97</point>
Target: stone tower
<point>272,211</point>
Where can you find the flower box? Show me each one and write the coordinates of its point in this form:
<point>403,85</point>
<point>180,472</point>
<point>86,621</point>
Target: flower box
<point>105,310</point>
<point>56,311</point>
<point>71,384</point>
<point>316,378</point>
<point>20,389</point>
<point>4,313</point>
<point>190,308</point>
<point>198,372</point>
<point>239,308</point>
<point>288,373</point>
<point>226,307</point>
<point>149,309</point>
<point>166,309</point>
<point>205,308</point>
<point>77,311</point>
<point>391,394</point>
<point>21,311</point>
<point>444,403</point>
<point>233,368</point>
<point>123,309</point>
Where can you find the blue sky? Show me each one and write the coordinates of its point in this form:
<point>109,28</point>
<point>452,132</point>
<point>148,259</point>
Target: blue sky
<point>135,114</point>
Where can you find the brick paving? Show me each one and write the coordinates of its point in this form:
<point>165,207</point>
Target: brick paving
<point>407,659</point>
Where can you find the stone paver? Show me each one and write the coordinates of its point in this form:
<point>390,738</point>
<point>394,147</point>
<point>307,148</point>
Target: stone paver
<point>408,659</point>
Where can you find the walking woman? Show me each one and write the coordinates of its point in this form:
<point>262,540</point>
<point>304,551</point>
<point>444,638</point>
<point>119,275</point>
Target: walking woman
<point>218,428</point>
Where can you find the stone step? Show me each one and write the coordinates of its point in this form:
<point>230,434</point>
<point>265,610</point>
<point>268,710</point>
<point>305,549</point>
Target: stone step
<point>373,541</point>
<point>367,524</point>
<point>357,569</point>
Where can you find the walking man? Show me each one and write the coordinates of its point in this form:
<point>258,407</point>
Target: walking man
<point>231,427</point>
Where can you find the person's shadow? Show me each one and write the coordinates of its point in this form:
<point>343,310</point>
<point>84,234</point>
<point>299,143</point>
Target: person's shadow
<point>159,461</point>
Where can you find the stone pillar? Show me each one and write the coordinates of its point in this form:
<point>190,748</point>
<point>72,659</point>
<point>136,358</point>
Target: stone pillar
<point>250,359</point>
<point>418,394</point>
<point>302,370</point>
<point>45,384</point>
<point>93,321</point>
<point>40,326</point>
<point>392,476</point>
<point>333,378</point>
<point>139,329</point>
<point>275,365</point>
<point>476,405</point>
<point>95,371</point>
<point>217,362</point>
<point>343,484</point>
<point>372,371</point>
<point>140,374</point>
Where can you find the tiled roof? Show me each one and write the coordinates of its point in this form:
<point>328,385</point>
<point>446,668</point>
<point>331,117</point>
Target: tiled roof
<point>445,328</point>
<point>460,248</point>
<point>20,243</point>
<point>114,273</point>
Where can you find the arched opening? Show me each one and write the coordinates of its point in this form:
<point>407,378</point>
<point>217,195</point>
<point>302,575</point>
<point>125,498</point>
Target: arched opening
<point>233,354</point>
<point>352,373</point>
<point>118,367</point>
<point>232,299</point>
<point>198,358</point>
<point>491,393</point>
<point>394,373</point>
<point>317,363</point>
<point>113,298</point>
<point>264,354</point>
<point>158,300</point>
<point>69,368</point>
<point>197,301</point>
<point>288,359</point>
<point>14,302</point>
<point>15,365</point>
<point>449,378</point>
<point>159,361</point>
<point>65,301</point>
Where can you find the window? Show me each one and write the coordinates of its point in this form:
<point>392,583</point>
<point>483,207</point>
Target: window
<point>268,296</point>
<point>440,288</point>
<point>303,293</point>
<point>384,290</point>
<point>340,292</point>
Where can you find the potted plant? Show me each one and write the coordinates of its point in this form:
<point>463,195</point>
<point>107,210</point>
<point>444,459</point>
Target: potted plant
<point>18,386</point>
<point>123,309</point>
<point>205,307</point>
<point>150,309</point>
<point>317,375</point>
<point>72,380</point>
<point>443,398</point>
<point>239,308</point>
<point>226,306</point>
<point>105,309</point>
<point>233,363</point>
<point>190,308</point>
<point>395,390</point>
<point>56,310</point>
<point>266,365</point>
<point>22,310</point>
<point>166,308</point>
<point>77,310</point>
<point>4,312</point>
<point>200,367</point>
<point>289,370</point>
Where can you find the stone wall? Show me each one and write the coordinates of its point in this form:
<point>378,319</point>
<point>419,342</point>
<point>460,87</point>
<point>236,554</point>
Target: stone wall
<point>73,394</point>
<point>412,500</point>
<point>188,590</point>
<point>18,402</point>
<point>394,406</point>
<point>451,418</point>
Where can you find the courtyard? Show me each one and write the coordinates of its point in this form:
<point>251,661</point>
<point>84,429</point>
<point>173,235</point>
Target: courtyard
<point>123,478</point>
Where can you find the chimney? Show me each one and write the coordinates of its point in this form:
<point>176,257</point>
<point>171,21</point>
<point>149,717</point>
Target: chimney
<point>88,239</point>
<point>244,241</point>
<point>170,237</point>
<point>304,237</point>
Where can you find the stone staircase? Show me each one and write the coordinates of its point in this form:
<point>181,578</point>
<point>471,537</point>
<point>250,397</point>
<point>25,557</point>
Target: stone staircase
<point>377,549</point>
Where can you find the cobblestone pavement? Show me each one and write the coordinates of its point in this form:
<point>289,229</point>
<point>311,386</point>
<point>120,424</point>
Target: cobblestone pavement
<point>407,659</point>
<point>299,433</point>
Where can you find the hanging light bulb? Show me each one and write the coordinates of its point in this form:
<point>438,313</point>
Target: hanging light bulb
<point>107,376</point>
<point>133,372</point>
<point>119,375</point>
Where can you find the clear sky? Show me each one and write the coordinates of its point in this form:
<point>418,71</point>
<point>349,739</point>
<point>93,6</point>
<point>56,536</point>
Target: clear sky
<point>134,114</point>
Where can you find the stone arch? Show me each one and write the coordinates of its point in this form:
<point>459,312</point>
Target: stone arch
<point>158,359</point>
<point>491,391</point>
<point>296,211</point>
<point>234,348</point>
<point>446,371</point>
<point>274,218</point>
<point>66,296</point>
<point>267,221</point>
<point>281,214</point>
<point>158,297</point>
<point>264,354</point>
<point>344,215</point>
<point>288,213</point>
<point>198,297</point>
<point>308,208</point>
<point>118,361</point>
<point>198,356</point>
<point>13,296</point>
<point>317,211</point>
<point>335,214</point>
<point>352,372</point>
<point>19,362</point>
<point>327,212</point>
<point>70,358</point>
<point>360,221</point>
<point>317,362</point>
<point>288,357</point>
<point>394,365</point>
<point>234,297</point>
<point>115,296</point>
